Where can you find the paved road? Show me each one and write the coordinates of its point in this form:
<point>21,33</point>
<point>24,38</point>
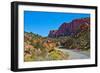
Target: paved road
<point>74,54</point>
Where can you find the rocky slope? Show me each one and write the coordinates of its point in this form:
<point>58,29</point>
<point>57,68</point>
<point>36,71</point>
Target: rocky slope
<point>37,48</point>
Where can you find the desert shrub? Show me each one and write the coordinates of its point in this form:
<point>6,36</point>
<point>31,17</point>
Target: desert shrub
<point>54,55</point>
<point>67,42</point>
<point>57,55</point>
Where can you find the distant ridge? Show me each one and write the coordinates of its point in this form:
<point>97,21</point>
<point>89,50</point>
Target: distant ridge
<point>72,28</point>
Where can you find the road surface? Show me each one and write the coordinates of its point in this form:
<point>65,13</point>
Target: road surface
<point>74,54</point>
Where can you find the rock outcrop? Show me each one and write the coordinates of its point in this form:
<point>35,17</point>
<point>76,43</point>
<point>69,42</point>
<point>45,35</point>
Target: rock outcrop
<point>71,28</point>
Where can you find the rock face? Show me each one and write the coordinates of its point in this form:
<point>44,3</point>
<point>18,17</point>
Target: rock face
<point>71,28</point>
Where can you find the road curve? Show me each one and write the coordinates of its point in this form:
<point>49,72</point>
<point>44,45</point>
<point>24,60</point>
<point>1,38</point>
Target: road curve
<point>74,54</point>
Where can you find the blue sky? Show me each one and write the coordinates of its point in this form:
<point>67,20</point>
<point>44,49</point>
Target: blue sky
<point>42,22</point>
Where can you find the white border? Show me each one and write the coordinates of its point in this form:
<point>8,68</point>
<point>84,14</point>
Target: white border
<point>22,64</point>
